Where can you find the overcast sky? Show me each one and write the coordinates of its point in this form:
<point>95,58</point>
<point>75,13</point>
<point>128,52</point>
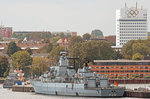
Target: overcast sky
<point>81,16</point>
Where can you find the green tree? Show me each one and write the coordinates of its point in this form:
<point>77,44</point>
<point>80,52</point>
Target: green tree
<point>20,41</point>
<point>29,50</point>
<point>140,48</point>
<point>23,60</point>
<point>105,50</point>
<point>135,46</point>
<point>40,35</point>
<point>46,41</point>
<point>91,50</point>
<point>97,33</point>
<point>4,68</point>
<point>113,43</point>
<point>117,55</point>
<point>126,50</point>
<point>75,39</point>
<point>21,35</point>
<point>147,42</point>
<point>86,36</point>
<point>68,36</point>
<point>12,48</point>
<point>62,35</point>
<point>39,65</point>
<point>137,56</point>
<point>47,48</point>
<point>54,39</point>
<point>55,53</point>
<point>45,35</point>
<point>148,33</point>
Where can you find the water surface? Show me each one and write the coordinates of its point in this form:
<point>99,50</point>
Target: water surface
<point>8,94</point>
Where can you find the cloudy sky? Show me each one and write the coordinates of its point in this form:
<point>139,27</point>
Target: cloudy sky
<point>61,15</point>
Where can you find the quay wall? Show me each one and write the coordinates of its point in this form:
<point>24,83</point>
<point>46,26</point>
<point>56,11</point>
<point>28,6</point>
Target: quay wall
<point>133,81</point>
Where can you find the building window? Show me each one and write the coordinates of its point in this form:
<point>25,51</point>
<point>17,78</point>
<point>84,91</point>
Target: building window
<point>141,67</point>
<point>146,67</point>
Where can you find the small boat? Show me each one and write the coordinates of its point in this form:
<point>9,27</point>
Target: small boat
<point>12,79</point>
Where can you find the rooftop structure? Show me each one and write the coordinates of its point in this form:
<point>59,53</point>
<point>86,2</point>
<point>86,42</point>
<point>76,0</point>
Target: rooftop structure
<point>131,24</point>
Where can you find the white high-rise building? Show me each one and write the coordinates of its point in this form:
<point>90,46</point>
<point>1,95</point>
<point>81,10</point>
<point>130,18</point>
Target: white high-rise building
<point>131,24</point>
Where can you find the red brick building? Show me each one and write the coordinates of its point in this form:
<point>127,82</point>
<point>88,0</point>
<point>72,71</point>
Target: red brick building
<point>5,32</point>
<point>73,33</point>
<point>111,38</point>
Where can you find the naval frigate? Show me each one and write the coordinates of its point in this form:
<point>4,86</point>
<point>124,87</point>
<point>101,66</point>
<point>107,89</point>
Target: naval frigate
<point>64,80</point>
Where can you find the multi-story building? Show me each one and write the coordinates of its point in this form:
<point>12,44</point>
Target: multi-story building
<point>5,32</point>
<point>131,24</point>
<point>122,68</point>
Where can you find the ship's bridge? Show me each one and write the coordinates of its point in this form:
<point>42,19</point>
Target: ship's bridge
<point>63,61</point>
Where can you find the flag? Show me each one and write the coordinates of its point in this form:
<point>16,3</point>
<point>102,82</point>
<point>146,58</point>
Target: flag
<point>20,78</point>
<point>51,60</point>
<point>115,83</point>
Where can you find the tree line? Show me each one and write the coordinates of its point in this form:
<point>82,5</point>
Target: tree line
<point>78,47</point>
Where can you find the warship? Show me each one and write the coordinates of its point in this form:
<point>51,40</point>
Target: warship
<point>64,80</point>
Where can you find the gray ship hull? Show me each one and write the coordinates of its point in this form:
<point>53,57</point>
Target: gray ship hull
<point>75,89</point>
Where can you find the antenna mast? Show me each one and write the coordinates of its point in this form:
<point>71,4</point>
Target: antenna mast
<point>136,5</point>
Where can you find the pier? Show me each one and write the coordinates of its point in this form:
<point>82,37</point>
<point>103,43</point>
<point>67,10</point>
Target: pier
<point>1,81</point>
<point>137,94</point>
<point>23,88</point>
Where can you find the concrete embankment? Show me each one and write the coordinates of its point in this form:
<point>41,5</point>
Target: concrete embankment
<point>1,81</point>
<point>137,90</point>
<point>130,81</point>
<point>22,88</point>
<point>137,94</point>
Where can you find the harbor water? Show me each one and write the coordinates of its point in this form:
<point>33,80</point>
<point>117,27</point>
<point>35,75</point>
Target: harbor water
<point>9,94</point>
